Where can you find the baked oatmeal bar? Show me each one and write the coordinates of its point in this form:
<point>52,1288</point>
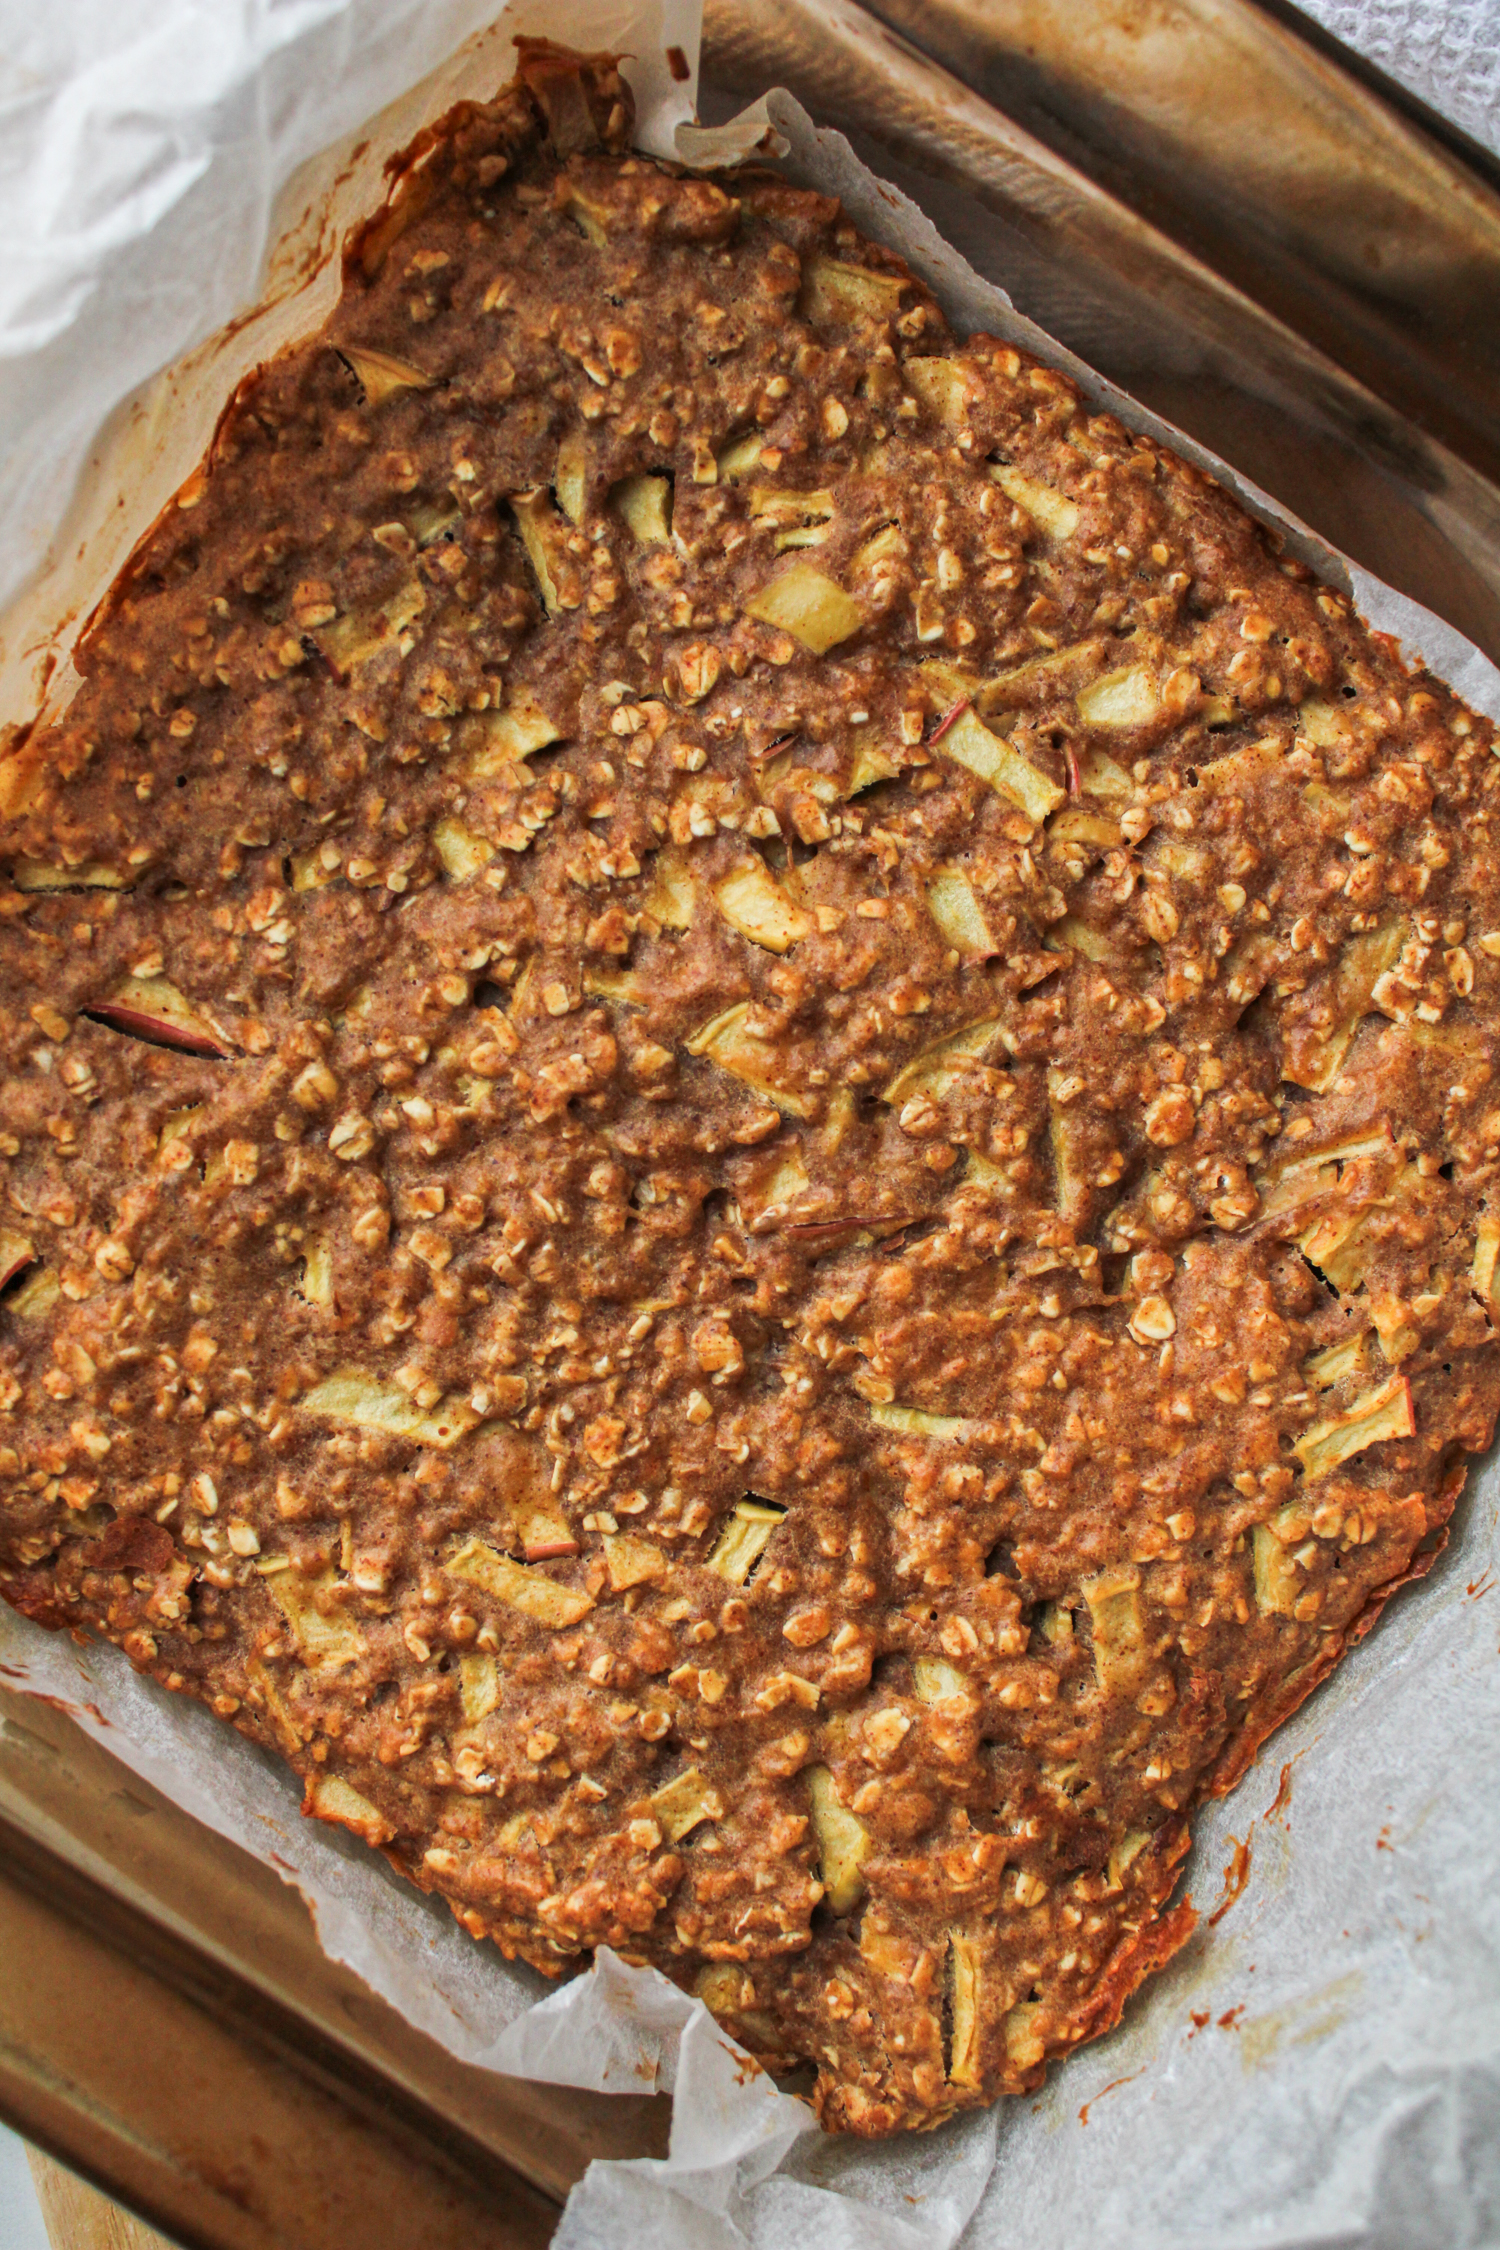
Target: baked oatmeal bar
<point>748,1132</point>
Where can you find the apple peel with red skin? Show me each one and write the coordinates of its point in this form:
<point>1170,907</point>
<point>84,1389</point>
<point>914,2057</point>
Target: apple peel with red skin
<point>150,1008</point>
<point>16,1254</point>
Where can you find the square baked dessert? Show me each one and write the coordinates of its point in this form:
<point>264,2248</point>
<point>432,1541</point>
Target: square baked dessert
<point>748,1125</point>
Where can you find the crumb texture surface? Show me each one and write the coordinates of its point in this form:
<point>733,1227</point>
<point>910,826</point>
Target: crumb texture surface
<point>747,1130</point>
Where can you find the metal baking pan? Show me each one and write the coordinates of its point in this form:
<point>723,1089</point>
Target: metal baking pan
<point>1293,263</point>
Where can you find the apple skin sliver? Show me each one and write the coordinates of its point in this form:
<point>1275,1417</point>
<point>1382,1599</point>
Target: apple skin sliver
<point>156,1030</point>
<point>150,1008</point>
<point>544,1532</point>
<point>16,1253</point>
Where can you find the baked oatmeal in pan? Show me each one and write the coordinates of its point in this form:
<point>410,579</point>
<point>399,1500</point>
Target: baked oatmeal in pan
<point>748,1133</point>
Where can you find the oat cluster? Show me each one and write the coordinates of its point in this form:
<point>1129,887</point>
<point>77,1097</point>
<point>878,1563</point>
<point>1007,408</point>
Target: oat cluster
<point>748,1127</point>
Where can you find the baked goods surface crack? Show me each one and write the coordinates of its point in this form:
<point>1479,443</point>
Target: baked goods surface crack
<point>748,1123</point>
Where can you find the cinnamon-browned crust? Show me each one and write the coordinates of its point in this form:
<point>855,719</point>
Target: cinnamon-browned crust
<point>748,1135</point>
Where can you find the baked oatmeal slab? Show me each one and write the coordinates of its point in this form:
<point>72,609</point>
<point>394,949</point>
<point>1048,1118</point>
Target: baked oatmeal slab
<point>748,1135</point>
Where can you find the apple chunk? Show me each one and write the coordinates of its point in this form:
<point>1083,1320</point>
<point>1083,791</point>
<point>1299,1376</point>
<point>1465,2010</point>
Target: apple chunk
<point>519,1586</point>
<point>915,1421</point>
<point>645,503</point>
<point>1315,1055</point>
<point>843,1842</point>
<point>152,1009</point>
<point>744,1540</point>
<point>1371,1420</point>
<point>684,1803</point>
<point>381,375</point>
<point>571,476</point>
<point>460,850</point>
<point>1126,698</point>
<point>938,1068</point>
<point>478,1687</point>
<point>35,1296</point>
<point>498,740</point>
<point>958,914</point>
<point>333,1798</point>
<point>543,1529</point>
<point>631,1561</point>
<point>943,386</point>
<point>936,1681</point>
<point>725,1042</point>
<point>358,637</point>
<point>965,1982</point>
<point>1486,1256</point>
<point>92,875</point>
<point>969,743</point>
<point>808,605</point>
<point>754,903</point>
<point>544,534</point>
<point>326,1639</point>
<point>1120,1651</point>
<point>835,291</point>
<point>1050,510</point>
<point>1279,1582</point>
<point>349,1395</point>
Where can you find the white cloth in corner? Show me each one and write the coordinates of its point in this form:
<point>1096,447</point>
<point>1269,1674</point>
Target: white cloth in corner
<point>1447,52</point>
<point>21,2225</point>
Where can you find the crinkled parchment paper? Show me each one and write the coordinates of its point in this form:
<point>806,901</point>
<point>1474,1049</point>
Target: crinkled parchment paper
<point>1321,2066</point>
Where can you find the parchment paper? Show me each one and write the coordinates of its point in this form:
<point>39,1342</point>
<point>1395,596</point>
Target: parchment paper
<point>1320,2069</point>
